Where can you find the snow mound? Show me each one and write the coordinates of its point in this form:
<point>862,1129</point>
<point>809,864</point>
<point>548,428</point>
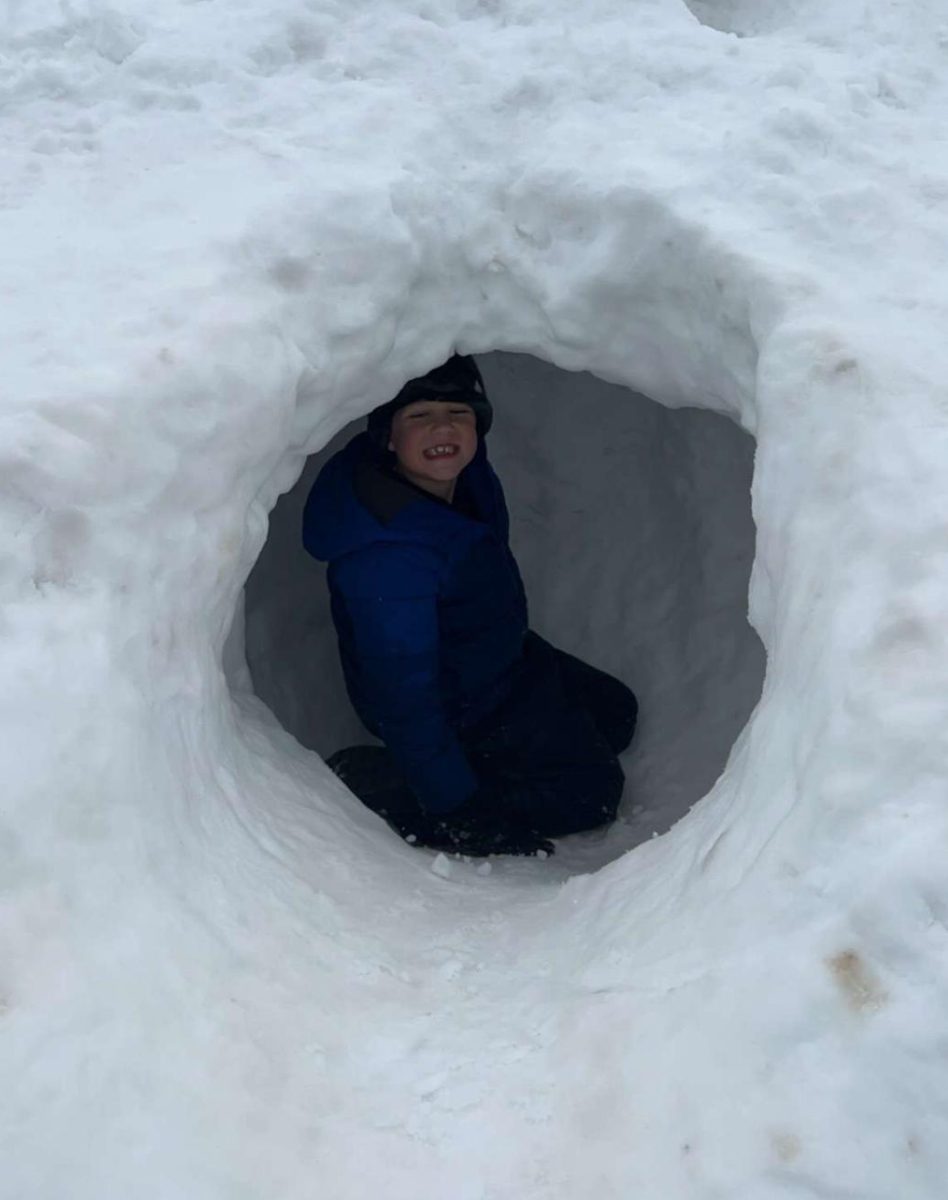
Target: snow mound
<point>229,230</point>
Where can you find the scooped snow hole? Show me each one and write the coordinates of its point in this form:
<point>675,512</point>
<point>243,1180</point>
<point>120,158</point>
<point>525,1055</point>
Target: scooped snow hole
<point>632,526</point>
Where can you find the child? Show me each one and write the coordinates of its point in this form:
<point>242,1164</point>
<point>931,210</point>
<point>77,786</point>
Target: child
<point>494,741</point>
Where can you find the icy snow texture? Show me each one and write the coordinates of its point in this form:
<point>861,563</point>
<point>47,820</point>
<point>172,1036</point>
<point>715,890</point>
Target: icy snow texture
<point>229,228</point>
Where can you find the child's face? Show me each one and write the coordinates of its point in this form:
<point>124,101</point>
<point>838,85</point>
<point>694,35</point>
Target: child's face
<point>434,440</point>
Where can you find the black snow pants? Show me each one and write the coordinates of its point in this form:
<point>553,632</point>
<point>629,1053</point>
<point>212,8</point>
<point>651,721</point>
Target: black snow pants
<point>549,752</point>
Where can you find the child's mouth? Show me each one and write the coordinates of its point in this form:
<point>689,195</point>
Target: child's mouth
<point>440,452</point>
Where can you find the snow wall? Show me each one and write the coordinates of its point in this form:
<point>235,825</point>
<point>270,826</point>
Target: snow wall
<point>229,231</point>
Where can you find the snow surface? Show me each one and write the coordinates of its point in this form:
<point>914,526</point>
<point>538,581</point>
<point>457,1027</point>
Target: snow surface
<point>229,228</point>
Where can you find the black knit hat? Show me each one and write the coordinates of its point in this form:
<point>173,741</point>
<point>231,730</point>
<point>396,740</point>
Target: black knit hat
<point>457,379</point>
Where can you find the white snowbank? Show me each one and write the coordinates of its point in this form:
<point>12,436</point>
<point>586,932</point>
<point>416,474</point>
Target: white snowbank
<point>230,228</point>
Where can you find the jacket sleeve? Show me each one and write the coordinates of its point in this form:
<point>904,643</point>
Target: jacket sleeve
<point>388,597</point>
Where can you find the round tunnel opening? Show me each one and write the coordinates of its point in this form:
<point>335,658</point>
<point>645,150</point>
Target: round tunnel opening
<point>632,526</point>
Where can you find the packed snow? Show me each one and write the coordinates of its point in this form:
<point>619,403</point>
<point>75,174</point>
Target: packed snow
<point>230,228</point>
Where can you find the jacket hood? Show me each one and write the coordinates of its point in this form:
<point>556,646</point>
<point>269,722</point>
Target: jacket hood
<point>356,501</point>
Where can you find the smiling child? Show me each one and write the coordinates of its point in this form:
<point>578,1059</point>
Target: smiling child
<point>493,740</point>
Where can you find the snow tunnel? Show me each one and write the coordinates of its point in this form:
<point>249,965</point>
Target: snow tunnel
<point>632,525</point>
<point>697,249</point>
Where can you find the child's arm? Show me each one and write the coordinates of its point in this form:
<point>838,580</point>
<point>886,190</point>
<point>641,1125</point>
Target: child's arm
<point>386,597</point>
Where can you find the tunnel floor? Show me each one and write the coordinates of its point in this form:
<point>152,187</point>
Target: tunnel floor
<point>632,526</point>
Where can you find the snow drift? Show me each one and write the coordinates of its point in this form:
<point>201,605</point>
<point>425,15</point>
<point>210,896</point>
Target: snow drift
<point>229,230</point>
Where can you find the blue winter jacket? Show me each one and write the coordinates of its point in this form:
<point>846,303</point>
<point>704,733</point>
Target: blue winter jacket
<point>428,606</point>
